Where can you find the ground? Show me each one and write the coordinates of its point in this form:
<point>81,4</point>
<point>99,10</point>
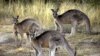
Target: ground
<point>85,44</point>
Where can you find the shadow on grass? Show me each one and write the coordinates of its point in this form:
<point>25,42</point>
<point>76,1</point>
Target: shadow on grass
<point>90,43</point>
<point>94,33</point>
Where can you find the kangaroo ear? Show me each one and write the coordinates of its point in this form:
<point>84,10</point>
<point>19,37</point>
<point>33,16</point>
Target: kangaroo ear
<point>57,9</point>
<point>52,10</point>
<point>17,16</point>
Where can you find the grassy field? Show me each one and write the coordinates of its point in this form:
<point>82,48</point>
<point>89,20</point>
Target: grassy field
<point>87,45</point>
<point>42,12</point>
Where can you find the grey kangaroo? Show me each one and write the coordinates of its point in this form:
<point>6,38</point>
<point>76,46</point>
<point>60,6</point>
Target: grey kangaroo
<point>25,26</point>
<point>73,17</point>
<point>50,39</point>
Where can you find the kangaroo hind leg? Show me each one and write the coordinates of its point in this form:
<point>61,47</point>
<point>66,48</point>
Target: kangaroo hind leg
<point>52,48</point>
<point>71,52</point>
<point>74,28</point>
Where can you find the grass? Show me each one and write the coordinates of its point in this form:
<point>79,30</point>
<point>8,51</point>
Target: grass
<point>42,12</point>
<point>87,45</point>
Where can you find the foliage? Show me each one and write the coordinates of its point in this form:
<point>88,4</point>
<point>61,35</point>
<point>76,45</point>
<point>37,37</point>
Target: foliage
<point>41,9</point>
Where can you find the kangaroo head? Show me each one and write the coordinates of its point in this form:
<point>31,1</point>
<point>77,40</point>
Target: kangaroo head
<point>55,15</point>
<point>34,30</point>
<point>15,19</point>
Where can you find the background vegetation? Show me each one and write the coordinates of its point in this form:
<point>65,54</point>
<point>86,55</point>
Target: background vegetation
<point>41,10</point>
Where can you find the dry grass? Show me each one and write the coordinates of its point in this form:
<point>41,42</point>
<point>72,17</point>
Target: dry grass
<point>42,12</point>
<point>86,45</point>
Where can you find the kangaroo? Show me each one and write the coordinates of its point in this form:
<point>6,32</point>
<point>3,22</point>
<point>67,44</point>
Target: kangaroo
<point>50,39</point>
<point>25,26</point>
<point>73,17</point>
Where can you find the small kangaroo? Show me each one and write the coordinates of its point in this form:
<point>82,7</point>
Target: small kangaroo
<point>25,26</point>
<point>73,17</point>
<point>50,39</point>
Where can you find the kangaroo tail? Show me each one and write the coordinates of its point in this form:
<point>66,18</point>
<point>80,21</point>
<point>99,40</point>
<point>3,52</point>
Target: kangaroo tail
<point>87,23</point>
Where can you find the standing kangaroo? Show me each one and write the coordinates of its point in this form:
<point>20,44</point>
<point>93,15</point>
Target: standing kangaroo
<point>25,26</point>
<point>50,39</point>
<point>73,17</point>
